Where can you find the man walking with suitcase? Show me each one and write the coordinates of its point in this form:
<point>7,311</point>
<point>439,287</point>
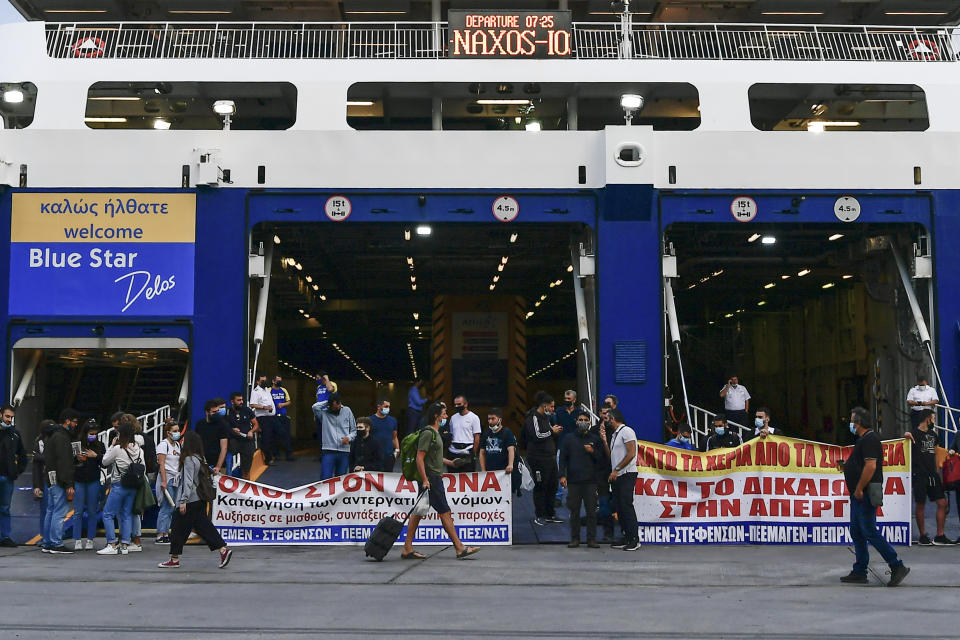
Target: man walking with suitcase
<point>430,469</point>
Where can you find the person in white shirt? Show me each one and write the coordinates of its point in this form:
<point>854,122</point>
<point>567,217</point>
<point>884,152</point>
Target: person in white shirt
<point>736,401</point>
<point>168,479</point>
<point>465,436</point>
<point>623,477</point>
<point>919,398</point>
<point>261,401</point>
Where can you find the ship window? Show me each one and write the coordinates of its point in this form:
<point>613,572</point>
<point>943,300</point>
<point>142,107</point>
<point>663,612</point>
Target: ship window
<point>267,106</point>
<point>515,106</point>
<point>18,101</point>
<point>838,107</point>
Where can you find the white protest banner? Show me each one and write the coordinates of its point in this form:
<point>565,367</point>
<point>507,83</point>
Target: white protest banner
<point>771,491</point>
<point>345,509</point>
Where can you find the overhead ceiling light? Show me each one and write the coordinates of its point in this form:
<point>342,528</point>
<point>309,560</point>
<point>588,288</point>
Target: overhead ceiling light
<point>298,266</point>
<point>225,107</point>
<point>728,315</point>
<point>499,267</point>
<point>413,287</point>
<point>768,240</point>
<point>413,278</point>
<point>416,316</point>
<point>503,259</point>
<point>916,13</point>
<point>360,103</point>
<point>323,297</point>
<point>753,238</point>
<point>553,284</point>
<point>784,277</point>
<point>416,327</point>
<point>835,236</point>
<point>803,272</point>
<point>74,10</point>
<point>424,230</point>
<point>406,234</point>
<point>117,98</point>
<point>503,101</point>
<point>276,239</point>
<point>200,12</point>
<point>770,285</point>
<point>533,125</point>
<point>13,96</point>
<point>827,286</point>
<point>569,268</point>
<point>558,282</point>
<point>847,276</point>
<point>791,13</point>
<point>493,286</point>
<point>819,126</point>
<point>631,101</point>
<point>161,125</point>
<point>316,287</point>
<point>761,303</point>
<point>309,278</point>
<point>513,238</point>
<point>104,119</point>
<point>496,278</point>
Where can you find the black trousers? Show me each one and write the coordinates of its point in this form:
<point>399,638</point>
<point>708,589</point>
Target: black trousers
<point>268,435</point>
<point>388,462</point>
<point>195,519</point>
<point>280,436</point>
<point>585,494</point>
<point>623,490</point>
<point>245,448</point>
<point>545,479</point>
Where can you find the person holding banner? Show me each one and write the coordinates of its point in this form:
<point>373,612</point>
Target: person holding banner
<point>430,463</point>
<point>623,458</point>
<point>862,469</point>
<point>684,439</point>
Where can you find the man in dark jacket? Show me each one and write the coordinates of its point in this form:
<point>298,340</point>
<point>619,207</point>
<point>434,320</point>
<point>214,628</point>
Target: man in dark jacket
<point>60,460</point>
<point>366,453</point>
<point>13,460</point>
<point>722,437</point>
<point>540,441</point>
<point>581,456</point>
<point>39,473</point>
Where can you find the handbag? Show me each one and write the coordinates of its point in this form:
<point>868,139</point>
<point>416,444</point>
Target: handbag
<point>144,498</point>
<point>526,479</point>
<point>422,505</point>
<point>875,493</point>
<point>951,472</point>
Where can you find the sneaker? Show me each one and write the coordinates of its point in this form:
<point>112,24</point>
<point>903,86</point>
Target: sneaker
<point>61,549</point>
<point>88,545</point>
<point>633,546</point>
<point>8,542</point>
<point>78,545</point>
<point>162,540</point>
<point>897,574</point>
<point>554,519</point>
<point>942,540</point>
<point>170,564</point>
<point>134,547</point>
<point>44,549</point>
<point>593,544</point>
<point>225,554</point>
<point>124,549</point>
<point>539,522</point>
<point>618,544</point>
<point>854,578</point>
<point>109,550</point>
<point>924,541</point>
<point>573,544</point>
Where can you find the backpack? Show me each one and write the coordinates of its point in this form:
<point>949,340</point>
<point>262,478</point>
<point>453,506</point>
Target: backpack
<point>408,455</point>
<point>132,478</point>
<point>205,489</point>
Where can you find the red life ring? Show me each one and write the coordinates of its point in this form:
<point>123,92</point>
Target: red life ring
<point>924,50</point>
<point>89,47</point>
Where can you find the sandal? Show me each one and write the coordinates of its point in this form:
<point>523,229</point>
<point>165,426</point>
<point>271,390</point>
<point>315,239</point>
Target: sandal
<point>413,555</point>
<point>467,551</point>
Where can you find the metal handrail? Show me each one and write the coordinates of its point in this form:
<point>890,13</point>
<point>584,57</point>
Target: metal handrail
<point>428,40</point>
<point>943,425</point>
<point>152,424</point>
<point>700,421</point>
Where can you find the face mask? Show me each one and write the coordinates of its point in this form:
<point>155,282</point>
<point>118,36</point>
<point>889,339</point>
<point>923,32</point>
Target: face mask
<point>922,387</point>
<point>495,427</point>
<point>385,411</point>
<point>583,427</point>
<point>222,411</point>
<point>684,439</point>
<point>278,383</point>
<point>175,436</point>
<point>720,430</point>
<point>458,407</point>
<point>262,384</point>
<point>733,385</point>
<point>360,432</point>
<point>6,426</point>
<point>443,422</point>
<point>853,428</point>
<point>759,423</point>
<point>91,438</point>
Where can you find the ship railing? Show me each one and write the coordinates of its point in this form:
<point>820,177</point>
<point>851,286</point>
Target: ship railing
<point>425,40</point>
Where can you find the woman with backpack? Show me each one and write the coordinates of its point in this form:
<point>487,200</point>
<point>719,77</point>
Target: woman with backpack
<point>86,485</point>
<point>125,461</point>
<point>196,489</point>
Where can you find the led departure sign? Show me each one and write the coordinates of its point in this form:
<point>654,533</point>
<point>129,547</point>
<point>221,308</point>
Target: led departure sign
<point>510,34</point>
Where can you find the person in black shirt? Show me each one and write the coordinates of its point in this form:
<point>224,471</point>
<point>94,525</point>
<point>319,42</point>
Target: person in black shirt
<point>366,454</point>
<point>243,424</point>
<point>539,437</point>
<point>214,432</point>
<point>722,437</point>
<point>862,468</point>
<point>926,478</point>
<point>581,455</point>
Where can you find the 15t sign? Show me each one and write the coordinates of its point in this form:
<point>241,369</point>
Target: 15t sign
<point>510,34</point>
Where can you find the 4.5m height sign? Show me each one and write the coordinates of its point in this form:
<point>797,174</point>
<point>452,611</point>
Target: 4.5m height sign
<point>102,254</point>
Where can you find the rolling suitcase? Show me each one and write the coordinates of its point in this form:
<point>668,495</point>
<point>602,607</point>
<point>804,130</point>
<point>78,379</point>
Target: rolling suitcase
<point>386,533</point>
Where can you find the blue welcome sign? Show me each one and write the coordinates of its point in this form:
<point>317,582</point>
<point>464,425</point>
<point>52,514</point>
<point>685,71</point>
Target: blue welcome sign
<point>102,254</point>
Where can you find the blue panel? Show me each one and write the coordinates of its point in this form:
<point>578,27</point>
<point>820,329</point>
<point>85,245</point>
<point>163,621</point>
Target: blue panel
<point>630,362</point>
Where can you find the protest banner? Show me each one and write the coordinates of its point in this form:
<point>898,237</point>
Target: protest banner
<point>772,491</point>
<point>345,509</point>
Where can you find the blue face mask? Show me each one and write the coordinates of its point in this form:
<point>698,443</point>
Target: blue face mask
<point>853,428</point>
<point>91,438</point>
<point>443,422</point>
<point>720,430</point>
<point>758,422</point>
<point>385,411</point>
<point>222,411</point>
<point>684,439</point>
<point>175,436</point>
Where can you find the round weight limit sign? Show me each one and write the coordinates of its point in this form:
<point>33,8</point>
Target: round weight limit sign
<point>506,209</point>
<point>743,209</point>
<point>338,208</point>
<point>846,208</point>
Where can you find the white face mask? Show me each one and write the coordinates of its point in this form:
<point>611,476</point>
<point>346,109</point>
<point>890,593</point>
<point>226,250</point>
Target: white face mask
<point>496,426</point>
